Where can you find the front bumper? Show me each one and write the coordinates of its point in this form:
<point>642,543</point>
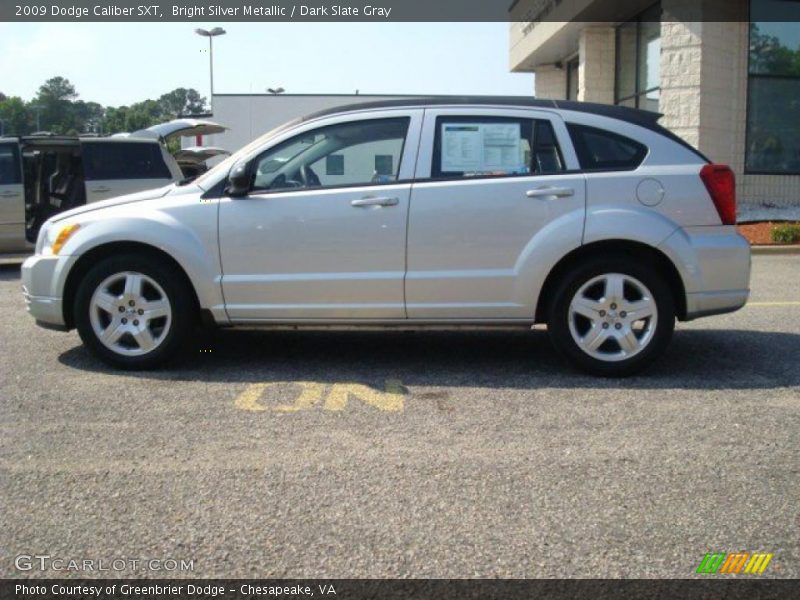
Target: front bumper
<point>42,285</point>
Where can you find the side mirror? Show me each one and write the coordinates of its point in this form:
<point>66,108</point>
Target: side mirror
<point>238,180</point>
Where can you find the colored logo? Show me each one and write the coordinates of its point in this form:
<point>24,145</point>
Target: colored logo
<point>735,562</point>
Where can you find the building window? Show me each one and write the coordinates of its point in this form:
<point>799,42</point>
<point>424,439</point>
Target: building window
<point>572,79</point>
<point>334,164</point>
<point>773,103</point>
<point>638,69</point>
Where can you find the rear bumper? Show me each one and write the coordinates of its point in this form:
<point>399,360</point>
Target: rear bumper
<point>714,263</point>
<point>705,304</point>
<point>40,289</point>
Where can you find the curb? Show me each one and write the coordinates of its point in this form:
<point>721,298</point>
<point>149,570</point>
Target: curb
<point>790,249</point>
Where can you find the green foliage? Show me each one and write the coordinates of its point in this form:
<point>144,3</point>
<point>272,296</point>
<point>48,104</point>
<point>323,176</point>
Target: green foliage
<point>56,108</point>
<point>769,55</point>
<point>786,234</point>
<point>181,101</point>
<point>17,117</point>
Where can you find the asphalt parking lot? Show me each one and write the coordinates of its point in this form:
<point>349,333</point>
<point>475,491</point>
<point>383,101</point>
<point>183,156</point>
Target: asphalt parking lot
<point>280,454</point>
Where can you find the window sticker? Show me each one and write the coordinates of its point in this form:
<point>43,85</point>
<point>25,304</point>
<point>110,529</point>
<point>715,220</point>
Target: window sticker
<point>480,148</point>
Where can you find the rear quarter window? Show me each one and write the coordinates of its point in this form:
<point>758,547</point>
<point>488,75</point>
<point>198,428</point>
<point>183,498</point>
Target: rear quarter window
<point>124,160</point>
<point>602,150</point>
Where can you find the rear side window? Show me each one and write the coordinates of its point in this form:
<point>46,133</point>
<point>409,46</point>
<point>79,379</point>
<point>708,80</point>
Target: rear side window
<point>9,164</point>
<point>493,147</point>
<point>124,160</point>
<point>601,150</point>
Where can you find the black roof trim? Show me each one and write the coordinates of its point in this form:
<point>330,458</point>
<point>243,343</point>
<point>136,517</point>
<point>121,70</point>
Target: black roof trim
<point>624,113</point>
<point>635,116</point>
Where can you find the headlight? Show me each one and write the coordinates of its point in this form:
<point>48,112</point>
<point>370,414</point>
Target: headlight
<point>53,238</point>
<point>41,239</point>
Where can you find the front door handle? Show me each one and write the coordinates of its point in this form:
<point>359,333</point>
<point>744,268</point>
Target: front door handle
<point>101,189</point>
<point>9,195</point>
<point>550,192</point>
<point>361,202</point>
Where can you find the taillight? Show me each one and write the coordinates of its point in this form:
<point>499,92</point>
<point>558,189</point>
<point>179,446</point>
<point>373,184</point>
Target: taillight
<point>721,185</point>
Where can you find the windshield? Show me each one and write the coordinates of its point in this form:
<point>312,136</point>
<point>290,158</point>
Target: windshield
<point>226,164</point>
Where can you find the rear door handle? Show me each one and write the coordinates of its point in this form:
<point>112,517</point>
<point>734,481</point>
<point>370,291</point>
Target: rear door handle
<point>101,189</point>
<point>361,202</point>
<point>9,195</point>
<point>550,192</point>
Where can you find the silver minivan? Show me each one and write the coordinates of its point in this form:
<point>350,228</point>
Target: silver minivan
<point>42,175</point>
<point>462,212</point>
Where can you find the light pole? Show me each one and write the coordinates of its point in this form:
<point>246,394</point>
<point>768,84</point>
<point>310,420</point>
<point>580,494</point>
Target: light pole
<point>211,34</point>
<point>38,110</point>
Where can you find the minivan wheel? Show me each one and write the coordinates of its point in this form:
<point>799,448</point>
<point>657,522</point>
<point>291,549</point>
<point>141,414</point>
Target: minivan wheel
<point>612,316</point>
<point>134,312</point>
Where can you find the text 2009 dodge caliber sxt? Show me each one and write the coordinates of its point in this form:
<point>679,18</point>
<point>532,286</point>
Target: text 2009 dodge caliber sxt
<point>424,212</point>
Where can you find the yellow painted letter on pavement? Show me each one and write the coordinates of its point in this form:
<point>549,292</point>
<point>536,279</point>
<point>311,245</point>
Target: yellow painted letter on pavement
<point>390,400</point>
<point>311,395</point>
<point>248,399</point>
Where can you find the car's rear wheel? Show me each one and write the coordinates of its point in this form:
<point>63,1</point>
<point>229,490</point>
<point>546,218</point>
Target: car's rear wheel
<point>612,316</point>
<point>134,312</point>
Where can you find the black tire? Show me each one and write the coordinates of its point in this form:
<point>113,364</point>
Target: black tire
<point>181,300</point>
<point>558,322</point>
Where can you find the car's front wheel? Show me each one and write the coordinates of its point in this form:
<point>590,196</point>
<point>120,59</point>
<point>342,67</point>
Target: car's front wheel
<point>612,316</point>
<point>133,311</point>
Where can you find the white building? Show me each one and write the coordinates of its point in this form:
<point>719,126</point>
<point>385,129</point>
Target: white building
<point>730,88</point>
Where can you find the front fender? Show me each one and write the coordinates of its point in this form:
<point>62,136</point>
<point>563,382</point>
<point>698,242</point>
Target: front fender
<point>195,250</point>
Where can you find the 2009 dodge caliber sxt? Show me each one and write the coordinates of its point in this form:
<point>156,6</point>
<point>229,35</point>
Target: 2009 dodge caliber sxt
<point>419,213</point>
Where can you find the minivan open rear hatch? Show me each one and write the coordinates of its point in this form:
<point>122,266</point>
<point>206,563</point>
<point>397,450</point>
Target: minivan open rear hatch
<point>180,128</point>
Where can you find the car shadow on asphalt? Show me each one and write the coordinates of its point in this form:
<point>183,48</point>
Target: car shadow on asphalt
<point>696,359</point>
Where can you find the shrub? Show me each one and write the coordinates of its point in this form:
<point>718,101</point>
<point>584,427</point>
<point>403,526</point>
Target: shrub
<point>786,234</point>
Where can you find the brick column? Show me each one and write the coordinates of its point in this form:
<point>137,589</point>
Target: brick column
<point>596,65</point>
<point>704,79</point>
<point>550,83</point>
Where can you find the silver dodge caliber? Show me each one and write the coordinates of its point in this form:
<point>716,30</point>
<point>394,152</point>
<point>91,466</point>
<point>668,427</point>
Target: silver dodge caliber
<point>418,213</point>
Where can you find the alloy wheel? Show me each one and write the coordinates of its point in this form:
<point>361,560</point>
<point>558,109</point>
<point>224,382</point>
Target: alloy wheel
<point>613,317</point>
<point>130,313</point>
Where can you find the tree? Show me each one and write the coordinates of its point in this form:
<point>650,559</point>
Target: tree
<point>17,117</point>
<point>55,100</point>
<point>182,101</point>
<point>89,115</point>
<point>59,110</point>
<point>113,120</point>
<point>769,55</point>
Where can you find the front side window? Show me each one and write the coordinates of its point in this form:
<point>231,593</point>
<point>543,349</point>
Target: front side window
<point>123,160</point>
<point>9,164</point>
<point>638,69</point>
<point>493,147</point>
<point>773,111</point>
<point>336,155</point>
<point>601,150</point>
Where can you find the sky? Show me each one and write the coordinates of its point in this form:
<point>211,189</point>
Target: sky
<point>121,63</point>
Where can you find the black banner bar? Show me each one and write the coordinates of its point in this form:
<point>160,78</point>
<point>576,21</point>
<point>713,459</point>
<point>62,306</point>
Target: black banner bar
<point>387,10</point>
<point>409,589</point>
